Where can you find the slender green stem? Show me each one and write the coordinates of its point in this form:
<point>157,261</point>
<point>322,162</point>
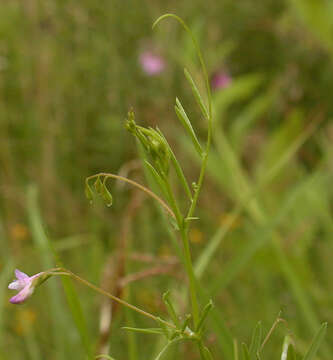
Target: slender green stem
<point>184,226</point>
<point>134,183</point>
<point>197,48</point>
<point>112,297</point>
<point>187,254</point>
<point>191,276</point>
<point>199,185</point>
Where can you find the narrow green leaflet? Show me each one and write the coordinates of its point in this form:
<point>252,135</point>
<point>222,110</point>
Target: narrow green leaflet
<point>156,331</point>
<point>106,195</point>
<point>196,93</point>
<point>88,192</point>
<point>178,169</point>
<point>204,315</point>
<point>183,118</point>
<point>159,181</point>
<point>171,310</point>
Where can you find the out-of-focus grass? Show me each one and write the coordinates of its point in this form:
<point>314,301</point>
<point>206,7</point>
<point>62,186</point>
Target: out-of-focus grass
<point>69,72</point>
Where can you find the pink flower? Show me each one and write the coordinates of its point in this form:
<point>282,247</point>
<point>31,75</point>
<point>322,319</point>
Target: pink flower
<point>220,80</point>
<point>25,285</point>
<point>151,64</point>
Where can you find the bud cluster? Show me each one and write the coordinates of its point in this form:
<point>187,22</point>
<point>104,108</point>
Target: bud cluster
<point>153,142</point>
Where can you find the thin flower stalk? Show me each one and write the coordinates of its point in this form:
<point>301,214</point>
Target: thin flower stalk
<point>136,184</point>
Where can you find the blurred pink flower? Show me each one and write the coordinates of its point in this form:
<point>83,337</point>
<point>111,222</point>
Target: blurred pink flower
<point>220,80</point>
<point>24,284</point>
<point>151,63</point>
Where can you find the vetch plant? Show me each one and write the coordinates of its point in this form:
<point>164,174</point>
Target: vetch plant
<point>159,159</point>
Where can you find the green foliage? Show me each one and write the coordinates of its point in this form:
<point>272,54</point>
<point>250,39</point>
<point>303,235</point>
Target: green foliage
<point>316,342</point>
<point>256,341</point>
<point>69,71</point>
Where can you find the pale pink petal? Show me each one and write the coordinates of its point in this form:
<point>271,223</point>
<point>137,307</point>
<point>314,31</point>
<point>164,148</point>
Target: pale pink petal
<point>22,295</point>
<point>16,285</point>
<point>25,285</point>
<point>21,275</point>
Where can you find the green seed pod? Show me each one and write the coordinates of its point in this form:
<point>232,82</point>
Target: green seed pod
<point>89,194</point>
<point>98,185</point>
<point>106,195</point>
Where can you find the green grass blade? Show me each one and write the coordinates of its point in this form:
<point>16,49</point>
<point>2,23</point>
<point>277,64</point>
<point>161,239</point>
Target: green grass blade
<point>240,89</point>
<point>213,244</point>
<point>257,213</point>
<point>41,242</point>
<point>288,352</point>
<point>316,342</point>
<point>244,255</point>
<point>5,276</point>
<point>32,345</point>
<point>245,352</point>
<point>74,304</point>
<point>256,341</point>
<point>224,337</point>
<point>59,318</point>
<point>248,117</point>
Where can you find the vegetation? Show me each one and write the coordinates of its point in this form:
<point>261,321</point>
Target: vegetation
<point>247,261</point>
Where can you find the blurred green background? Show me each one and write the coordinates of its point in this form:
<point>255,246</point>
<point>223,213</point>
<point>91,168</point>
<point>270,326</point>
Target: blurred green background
<point>69,72</point>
